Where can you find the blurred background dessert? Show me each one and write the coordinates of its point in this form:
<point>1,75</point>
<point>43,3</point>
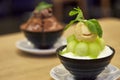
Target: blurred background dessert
<point>42,29</point>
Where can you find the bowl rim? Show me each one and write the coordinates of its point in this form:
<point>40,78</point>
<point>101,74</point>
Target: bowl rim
<point>97,59</point>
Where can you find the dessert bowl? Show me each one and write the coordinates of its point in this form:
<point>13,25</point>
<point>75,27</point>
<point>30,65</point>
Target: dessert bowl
<point>43,40</point>
<point>85,69</point>
<point>86,55</point>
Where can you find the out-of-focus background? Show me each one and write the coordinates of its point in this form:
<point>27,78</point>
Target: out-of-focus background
<point>15,12</point>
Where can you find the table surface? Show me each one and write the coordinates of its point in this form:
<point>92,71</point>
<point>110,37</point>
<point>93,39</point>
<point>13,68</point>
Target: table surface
<point>18,65</point>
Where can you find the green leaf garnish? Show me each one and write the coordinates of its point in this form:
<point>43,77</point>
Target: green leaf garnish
<point>73,12</point>
<point>43,5</point>
<point>98,27</point>
<point>76,11</point>
<point>92,24</point>
<point>70,23</point>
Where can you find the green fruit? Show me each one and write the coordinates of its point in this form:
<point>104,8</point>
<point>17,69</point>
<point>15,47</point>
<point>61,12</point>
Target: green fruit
<point>94,49</point>
<point>71,45</point>
<point>101,42</point>
<point>81,49</point>
<point>70,38</point>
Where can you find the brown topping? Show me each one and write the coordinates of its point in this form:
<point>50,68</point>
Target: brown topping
<point>43,13</point>
<point>42,21</point>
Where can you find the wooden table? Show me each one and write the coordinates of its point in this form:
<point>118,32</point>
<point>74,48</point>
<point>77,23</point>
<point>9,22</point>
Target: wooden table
<point>18,65</point>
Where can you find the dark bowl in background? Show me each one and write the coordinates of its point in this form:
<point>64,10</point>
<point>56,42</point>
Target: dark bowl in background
<point>83,69</point>
<point>43,40</point>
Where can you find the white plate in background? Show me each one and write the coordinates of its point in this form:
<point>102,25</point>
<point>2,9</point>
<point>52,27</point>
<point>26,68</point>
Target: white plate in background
<point>25,45</point>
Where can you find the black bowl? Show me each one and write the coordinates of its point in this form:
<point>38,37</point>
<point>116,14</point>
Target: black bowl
<point>43,40</point>
<point>83,69</point>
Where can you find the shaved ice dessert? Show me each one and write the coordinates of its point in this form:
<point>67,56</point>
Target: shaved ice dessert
<point>86,55</point>
<point>86,41</point>
<point>42,29</point>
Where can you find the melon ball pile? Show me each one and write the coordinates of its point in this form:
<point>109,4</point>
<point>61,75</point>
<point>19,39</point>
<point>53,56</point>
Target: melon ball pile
<point>83,42</point>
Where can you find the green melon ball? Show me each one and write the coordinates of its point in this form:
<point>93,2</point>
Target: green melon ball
<point>81,49</point>
<point>71,46</point>
<point>70,38</point>
<point>102,43</point>
<point>94,49</point>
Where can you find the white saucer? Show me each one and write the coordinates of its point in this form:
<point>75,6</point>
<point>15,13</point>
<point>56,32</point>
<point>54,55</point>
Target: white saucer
<point>26,46</point>
<point>60,73</point>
